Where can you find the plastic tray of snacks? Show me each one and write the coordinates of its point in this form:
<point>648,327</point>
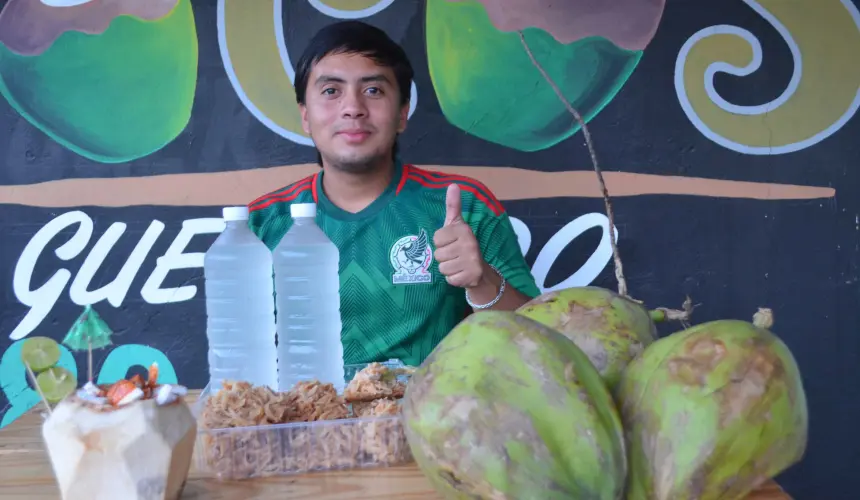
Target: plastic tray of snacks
<point>276,449</point>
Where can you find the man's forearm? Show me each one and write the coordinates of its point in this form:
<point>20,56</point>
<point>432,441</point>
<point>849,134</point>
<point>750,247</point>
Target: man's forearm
<point>488,289</point>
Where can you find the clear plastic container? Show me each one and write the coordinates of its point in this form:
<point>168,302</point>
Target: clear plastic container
<point>307,286</point>
<point>240,305</point>
<point>297,448</point>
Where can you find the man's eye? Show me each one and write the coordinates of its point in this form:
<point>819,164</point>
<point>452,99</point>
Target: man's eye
<point>374,90</point>
<point>328,91</point>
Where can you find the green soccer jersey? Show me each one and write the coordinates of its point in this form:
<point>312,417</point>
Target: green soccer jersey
<point>394,301</point>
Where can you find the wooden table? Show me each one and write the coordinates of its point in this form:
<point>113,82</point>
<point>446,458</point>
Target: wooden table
<point>25,474</point>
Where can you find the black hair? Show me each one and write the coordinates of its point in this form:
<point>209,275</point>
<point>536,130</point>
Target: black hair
<point>355,37</point>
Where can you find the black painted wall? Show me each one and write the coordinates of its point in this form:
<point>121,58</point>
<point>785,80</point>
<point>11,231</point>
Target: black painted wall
<point>732,247</point>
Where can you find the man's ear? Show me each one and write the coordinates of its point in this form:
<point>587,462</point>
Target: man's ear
<point>404,117</point>
<point>306,126</point>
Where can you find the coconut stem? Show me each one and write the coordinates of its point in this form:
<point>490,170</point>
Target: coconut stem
<point>36,385</point>
<point>668,314</point>
<point>616,257</point>
<point>683,316</point>
<point>763,318</point>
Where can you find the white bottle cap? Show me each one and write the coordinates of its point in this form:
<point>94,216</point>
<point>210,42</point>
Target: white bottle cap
<point>303,210</point>
<point>234,213</point>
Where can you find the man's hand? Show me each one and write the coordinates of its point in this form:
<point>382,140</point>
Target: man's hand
<point>457,251</point>
<point>461,262</point>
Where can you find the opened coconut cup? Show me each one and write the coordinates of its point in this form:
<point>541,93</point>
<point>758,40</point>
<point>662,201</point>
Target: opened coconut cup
<point>140,450</point>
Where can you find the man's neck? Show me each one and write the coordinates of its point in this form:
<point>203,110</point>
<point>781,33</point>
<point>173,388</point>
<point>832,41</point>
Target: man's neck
<point>354,192</point>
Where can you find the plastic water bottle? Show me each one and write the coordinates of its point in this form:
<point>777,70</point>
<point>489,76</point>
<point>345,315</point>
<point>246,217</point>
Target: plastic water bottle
<point>307,287</point>
<point>240,305</point>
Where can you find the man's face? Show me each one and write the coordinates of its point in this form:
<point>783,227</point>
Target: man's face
<point>352,111</point>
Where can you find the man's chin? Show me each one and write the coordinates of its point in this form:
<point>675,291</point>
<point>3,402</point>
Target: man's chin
<point>357,164</point>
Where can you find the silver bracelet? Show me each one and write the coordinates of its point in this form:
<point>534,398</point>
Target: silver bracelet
<point>492,302</point>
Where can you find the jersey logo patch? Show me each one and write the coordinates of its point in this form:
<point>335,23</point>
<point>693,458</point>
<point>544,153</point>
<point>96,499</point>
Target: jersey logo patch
<point>411,257</point>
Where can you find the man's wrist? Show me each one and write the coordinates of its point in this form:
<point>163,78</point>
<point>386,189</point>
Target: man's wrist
<point>487,288</point>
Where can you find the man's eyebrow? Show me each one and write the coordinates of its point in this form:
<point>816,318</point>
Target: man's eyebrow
<point>329,79</point>
<point>375,78</point>
<point>323,79</point>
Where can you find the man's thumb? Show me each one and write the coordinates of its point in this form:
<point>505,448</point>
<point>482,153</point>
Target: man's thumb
<point>453,205</point>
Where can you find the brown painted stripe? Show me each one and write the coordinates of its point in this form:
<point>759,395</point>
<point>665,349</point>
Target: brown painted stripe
<point>507,183</point>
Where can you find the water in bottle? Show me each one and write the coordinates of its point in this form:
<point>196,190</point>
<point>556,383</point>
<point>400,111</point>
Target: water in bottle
<point>307,291</point>
<point>240,305</point>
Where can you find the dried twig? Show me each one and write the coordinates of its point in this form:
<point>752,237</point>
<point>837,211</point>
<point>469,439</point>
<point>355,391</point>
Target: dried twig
<point>619,270</point>
<point>672,314</point>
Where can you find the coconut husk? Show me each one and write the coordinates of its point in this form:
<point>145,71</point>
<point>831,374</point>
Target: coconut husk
<point>141,451</point>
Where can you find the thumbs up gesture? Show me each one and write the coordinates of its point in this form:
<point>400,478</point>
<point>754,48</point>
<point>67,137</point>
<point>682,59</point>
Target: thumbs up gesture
<point>457,251</point>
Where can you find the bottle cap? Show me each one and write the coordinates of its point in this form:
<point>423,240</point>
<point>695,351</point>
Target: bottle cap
<point>234,213</point>
<point>303,210</point>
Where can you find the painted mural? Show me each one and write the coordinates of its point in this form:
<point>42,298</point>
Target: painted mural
<point>725,130</point>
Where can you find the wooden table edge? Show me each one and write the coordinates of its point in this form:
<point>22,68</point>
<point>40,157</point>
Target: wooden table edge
<point>26,427</point>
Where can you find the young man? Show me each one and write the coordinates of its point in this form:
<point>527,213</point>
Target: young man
<point>417,248</point>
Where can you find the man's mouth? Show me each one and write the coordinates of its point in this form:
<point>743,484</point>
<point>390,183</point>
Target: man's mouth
<point>354,135</point>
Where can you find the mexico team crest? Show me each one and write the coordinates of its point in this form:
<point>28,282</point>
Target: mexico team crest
<point>411,257</point>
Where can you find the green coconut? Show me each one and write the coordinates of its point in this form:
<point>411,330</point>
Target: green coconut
<point>506,408</point>
<point>610,328</point>
<point>712,412</point>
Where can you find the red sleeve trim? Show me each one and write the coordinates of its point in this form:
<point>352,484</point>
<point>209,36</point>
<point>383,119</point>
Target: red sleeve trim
<point>314,191</point>
<point>285,195</point>
<point>403,176</point>
<point>438,180</point>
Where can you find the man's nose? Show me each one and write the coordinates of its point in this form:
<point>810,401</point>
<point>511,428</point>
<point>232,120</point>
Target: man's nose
<point>353,106</point>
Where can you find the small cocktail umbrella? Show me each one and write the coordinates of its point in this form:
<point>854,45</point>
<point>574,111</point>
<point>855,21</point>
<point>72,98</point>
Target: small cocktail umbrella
<point>87,333</point>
